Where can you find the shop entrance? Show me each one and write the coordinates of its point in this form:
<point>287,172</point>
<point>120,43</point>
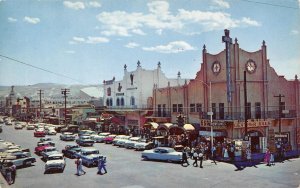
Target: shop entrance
<point>254,138</point>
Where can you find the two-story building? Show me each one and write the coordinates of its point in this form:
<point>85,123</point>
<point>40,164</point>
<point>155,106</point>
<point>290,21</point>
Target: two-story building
<point>243,92</point>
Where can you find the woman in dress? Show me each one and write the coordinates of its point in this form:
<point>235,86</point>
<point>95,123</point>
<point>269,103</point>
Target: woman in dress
<point>267,157</point>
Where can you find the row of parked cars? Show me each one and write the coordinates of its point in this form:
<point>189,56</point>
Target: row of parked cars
<point>54,160</point>
<point>11,153</point>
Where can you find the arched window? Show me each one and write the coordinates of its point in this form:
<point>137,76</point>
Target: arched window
<point>107,102</point>
<point>118,102</point>
<point>122,101</point>
<point>110,102</point>
<point>132,101</point>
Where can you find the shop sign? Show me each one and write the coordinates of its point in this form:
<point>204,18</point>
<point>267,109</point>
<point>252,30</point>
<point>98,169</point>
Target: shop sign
<point>215,124</point>
<point>119,94</point>
<point>252,123</point>
<point>132,88</point>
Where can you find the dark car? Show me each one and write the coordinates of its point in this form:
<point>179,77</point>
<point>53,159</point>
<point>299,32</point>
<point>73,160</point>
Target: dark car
<point>85,141</point>
<point>71,150</point>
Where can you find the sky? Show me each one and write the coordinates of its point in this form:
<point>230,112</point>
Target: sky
<point>86,42</point>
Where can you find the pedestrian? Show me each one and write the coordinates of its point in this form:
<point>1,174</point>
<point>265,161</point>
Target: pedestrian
<point>195,157</point>
<point>200,156</point>
<point>226,156</point>
<point>267,157</point>
<point>8,173</point>
<point>102,165</point>
<point>184,157</point>
<point>248,156</point>
<point>213,154</point>
<point>272,159</point>
<point>78,163</point>
<point>13,173</point>
<point>77,166</point>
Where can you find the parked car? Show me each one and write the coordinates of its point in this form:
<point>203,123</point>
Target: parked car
<point>86,132</point>
<point>120,137</point>
<point>51,131</point>
<point>67,136</point>
<point>129,144</point>
<point>39,133</point>
<point>141,146</point>
<point>162,154</point>
<point>109,139</point>
<point>30,127</point>
<point>23,159</point>
<point>18,125</point>
<point>71,151</point>
<point>89,156</point>
<point>70,128</point>
<point>47,152</point>
<point>55,162</point>
<point>85,141</point>
<point>40,148</point>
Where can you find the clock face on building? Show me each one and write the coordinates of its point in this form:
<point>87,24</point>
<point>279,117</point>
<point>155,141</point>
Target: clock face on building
<point>216,67</point>
<point>251,66</point>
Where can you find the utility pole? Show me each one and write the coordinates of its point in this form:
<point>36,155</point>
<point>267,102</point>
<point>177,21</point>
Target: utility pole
<point>65,92</point>
<point>245,102</point>
<point>40,93</point>
<point>280,111</point>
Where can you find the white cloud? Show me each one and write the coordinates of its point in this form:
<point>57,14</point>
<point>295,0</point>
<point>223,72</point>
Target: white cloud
<point>294,32</point>
<point>78,39</point>
<point>76,5</point>
<point>94,4</point>
<point>11,19</point>
<point>95,40</point>
<point>88,40</point>
<point>31,20</point>
<point>221,3</point>
<point>132,45</point>
<point>172,47</point>
<point>159,18</point>
<point>70,52</point>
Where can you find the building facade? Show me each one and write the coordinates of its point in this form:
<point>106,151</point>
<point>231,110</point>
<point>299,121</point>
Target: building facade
<point>244,94</point>
<point>131,98</point>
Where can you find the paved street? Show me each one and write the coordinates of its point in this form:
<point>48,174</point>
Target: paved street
<point>126,169</point>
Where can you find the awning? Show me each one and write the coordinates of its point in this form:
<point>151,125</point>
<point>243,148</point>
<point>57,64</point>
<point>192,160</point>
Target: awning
<point>165,126</point>
<point>152,124</point>
<point>189,127</point>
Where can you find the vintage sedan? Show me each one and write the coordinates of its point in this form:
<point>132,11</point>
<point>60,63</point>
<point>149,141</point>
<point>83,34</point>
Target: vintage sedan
<point>40,148</point>
<point>71,151</point>
<point>109,139</point>
<point>23,159</point>
<point>141,146</point>
<point>47,152</point>
<point>18,125</point>
<point>120,138</point>
<point>55,162</point>
<point>85,141</point>
<point>129,144</point>
<point>67,136</point>
<point>89,156</point>
<point>30,127</point>
<point>39,133</point>
<point>162,154</point>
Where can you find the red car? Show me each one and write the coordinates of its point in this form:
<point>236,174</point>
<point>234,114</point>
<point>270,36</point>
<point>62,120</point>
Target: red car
<point>40,148</point>
<point>39,133</point>
<point>109,139</point>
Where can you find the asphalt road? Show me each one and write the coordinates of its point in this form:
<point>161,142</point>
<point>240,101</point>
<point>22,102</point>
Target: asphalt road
<point>127,170</point>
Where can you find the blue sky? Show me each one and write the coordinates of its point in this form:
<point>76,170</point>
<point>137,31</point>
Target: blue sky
<point>90,41</point>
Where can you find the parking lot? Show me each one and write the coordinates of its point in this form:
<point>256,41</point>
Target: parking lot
<point>126,169</point>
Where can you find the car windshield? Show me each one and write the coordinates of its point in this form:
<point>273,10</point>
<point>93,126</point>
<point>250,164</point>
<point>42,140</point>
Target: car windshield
<point>50,149</point>
<point>55,158</point>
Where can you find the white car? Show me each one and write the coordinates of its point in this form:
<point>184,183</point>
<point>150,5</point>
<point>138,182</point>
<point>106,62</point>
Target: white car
<point>129,144</point>
<point>120,140</point>
<point>141,146</point>
<point>55,162</point>
<point>67,136</point>
<point>162,154</point>
<point>51,131</point>
<point>48,152</point>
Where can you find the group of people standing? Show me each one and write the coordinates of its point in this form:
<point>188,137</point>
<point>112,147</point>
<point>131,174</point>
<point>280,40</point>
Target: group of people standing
<point>101,166</point>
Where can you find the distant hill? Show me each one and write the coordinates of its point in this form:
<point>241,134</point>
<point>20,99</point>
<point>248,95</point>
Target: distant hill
<point>49,89</point>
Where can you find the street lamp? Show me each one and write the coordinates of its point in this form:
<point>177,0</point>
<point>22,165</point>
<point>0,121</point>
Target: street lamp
<point>210,113</point>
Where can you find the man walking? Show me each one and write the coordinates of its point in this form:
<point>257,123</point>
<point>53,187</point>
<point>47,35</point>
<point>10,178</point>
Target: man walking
<point>184,157</point>
<point>13,173</point>
<point>101,165</point>
<point>78,163</point>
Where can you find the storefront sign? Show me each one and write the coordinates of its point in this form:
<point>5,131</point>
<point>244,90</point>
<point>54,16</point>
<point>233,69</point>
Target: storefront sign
<point>208,133</point>
<point>215,124</point>
<point>119,94</point>
<point>132,88</point>
<point>252,123</point>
